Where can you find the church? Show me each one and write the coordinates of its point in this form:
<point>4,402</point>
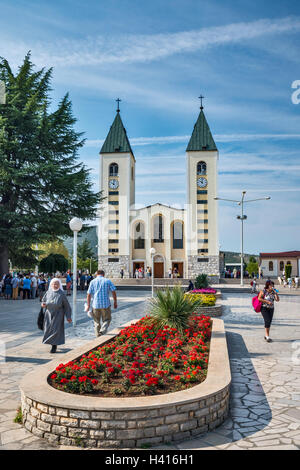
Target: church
<point>184,240</point>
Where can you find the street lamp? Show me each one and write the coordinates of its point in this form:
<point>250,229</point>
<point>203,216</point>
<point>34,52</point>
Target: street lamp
<point>242,217</point>
<point>75,225</point>
<point>152,253</point>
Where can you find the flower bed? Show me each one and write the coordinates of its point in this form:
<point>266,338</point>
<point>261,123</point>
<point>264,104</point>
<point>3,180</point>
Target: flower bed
<point>207,300</point>
<point>140,361</point>
<point>203,291</point>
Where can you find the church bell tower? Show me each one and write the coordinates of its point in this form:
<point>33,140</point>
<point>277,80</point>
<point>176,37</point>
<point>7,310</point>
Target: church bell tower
<point>117,183</point>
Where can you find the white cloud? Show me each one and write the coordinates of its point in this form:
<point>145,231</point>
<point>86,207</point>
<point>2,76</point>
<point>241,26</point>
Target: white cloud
<point>142,48</point>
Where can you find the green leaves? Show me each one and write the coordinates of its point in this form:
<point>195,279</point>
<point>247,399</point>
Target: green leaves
<point>170,307</point>
<point>42,183</point>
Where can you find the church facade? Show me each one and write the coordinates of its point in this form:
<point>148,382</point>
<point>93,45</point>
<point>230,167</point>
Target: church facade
<point>185,240</point>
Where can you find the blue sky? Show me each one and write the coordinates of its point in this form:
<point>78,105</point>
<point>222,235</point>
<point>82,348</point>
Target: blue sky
<point>158,57</point>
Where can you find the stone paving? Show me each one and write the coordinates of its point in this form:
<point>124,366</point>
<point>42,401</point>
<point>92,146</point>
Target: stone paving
<point>265,391</point>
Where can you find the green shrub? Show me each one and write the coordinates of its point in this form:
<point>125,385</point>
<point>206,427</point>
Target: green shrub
<point>201,281</point>
<point>288,270</point>
<point>172,308</point>
<point>19,416</point>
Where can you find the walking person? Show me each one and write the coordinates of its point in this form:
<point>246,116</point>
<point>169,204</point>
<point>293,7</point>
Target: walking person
<point>26,286</point>
<point>267,297</point>
<point>57,308</point>
<point>99,289</point>
<point>8,286</point>
<point>15,288</point>
<point>33,287</point>
<point>68,283</point>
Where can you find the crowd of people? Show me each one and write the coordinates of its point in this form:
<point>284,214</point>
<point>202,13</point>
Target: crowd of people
<point>19,285</point>
<point>290,282</point>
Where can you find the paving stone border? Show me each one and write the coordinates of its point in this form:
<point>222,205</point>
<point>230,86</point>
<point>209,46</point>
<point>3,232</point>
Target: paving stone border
<point>67,419</point>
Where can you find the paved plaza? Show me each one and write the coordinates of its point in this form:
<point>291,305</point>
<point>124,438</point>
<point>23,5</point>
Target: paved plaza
<point>265,391</point>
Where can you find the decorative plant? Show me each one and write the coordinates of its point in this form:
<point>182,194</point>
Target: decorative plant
<point>206,300</point>
<point>201,281</point>
<point>171,307</point>
<point>288,270</point>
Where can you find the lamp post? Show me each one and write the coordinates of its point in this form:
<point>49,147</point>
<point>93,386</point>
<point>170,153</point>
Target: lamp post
<point>152,253</point>
<point>242,217</point>
<point>75,225</point>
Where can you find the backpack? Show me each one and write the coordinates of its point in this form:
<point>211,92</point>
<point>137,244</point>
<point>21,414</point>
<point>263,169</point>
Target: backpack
<point>256,304</point>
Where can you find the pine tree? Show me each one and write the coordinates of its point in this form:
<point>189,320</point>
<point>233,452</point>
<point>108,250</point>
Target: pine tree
<point>84,251</point>
<point>42,183</point>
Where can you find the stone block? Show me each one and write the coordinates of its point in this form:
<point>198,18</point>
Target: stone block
<point>170,410</point>
<point>179,436</point>
<point>110,434</point>
<point>77,432</point>
<point>149,432</point>
<point>133,415</point>
<point>167,429</point>
<point>50,418</point>
<point>176,418</point>
<point>31,420</point>
<point>113,424</point>
<point>149,440</point>
<point>96,434</point>
<point>28,401</point>
<point>70,422</point>
<point>52,410</point>
<point>130,433</point>
<point>28,425</point>
<point>210,401</point>
<point>41,407</point>
<point>102,415</point>
<point>91,443</point>
<point>51,438</point>
<point>131,424</point>
<point>65,441</point>
<point>202,412</point>
<point>35,412</point>
<point>60,430</point>
<point>214,407</point>
<point>149,422</point>
<point>188,407</point>
<point>192,424</point>
<point>79,414</point>
<point>111,444</point>
<point>89,423</point>
<point>37,432</point>
<point>199,430</point>
<point>62,412</point>
<point>128,443</point>
<point>43,426</point>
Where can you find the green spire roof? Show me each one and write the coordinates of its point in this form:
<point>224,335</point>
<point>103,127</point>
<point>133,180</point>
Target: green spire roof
<point>201,137</point>
<point>116,140</point>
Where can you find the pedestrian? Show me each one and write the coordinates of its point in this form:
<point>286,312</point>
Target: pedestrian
<point>41,286</point>
<point>68,283</point>
<point>296,282</point>
<point>253,286</point>
<point>15,287</point>
<point>122,273</point>
<point>170,273</point>
<point>136,274</point>
<point>57,308</point>
<point>267,297</point>
<point>33,286</point>
<point>190,286</point>
<point>26,286</point>
<point>289,281</point>
<point>82,281</point>
<point>99,289</point>
<point>8,286</point>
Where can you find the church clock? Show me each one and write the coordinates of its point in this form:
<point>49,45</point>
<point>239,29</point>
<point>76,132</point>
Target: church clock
<point>201,182</point>
<point>113,184</point>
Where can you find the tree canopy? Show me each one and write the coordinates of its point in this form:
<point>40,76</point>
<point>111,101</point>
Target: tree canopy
<point>42,183</point>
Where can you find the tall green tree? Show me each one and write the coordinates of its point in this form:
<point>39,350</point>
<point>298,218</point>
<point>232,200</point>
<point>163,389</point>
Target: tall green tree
<point>84,250</point>
<point>42,183</point>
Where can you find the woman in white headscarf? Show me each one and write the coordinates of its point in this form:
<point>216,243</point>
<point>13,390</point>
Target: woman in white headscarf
<point>57,307</point>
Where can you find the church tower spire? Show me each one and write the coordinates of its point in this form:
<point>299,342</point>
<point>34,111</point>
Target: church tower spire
<point>201,138</point>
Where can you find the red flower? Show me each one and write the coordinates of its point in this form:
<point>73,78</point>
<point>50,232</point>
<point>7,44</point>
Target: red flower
<point>53,376</point>
<point>94,381</point>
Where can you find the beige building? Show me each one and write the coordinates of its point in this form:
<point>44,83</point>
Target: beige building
<point>186,239</point>
<point>273,264</point>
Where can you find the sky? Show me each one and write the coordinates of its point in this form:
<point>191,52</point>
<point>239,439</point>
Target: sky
<point>158,57</point>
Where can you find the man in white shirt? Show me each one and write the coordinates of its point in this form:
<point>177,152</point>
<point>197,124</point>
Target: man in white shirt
<point>33,286</point>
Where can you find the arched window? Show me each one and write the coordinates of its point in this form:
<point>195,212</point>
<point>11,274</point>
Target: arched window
<point>288,262</point>
<point>139,236</point>
<point>281,265</point>
<point>271,266</point>
<point>177,232</point>
<point>201,168</point>
<point>113,169</point>
<point>158,229</point>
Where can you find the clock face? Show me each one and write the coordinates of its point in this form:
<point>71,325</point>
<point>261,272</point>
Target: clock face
<point>201,182</point>
<point>113,184</point>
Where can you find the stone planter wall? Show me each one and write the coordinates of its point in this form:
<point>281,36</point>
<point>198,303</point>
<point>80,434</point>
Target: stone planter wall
<point>215,311</point>
<point>68,419</point>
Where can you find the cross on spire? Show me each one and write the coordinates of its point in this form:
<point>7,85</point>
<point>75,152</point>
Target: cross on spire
<point>118,101</point>
<point>201,98</point>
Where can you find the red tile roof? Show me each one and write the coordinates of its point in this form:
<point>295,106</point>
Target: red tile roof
<point>283,254</point>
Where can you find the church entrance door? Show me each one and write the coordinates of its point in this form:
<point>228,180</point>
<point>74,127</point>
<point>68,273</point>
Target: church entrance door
<point>158,269</point>
<point>179,267</point>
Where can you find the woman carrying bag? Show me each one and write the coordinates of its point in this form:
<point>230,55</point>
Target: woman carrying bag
<point>267,298</point>
<point>57,307</point>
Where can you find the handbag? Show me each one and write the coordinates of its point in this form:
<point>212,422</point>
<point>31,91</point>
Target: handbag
<point>256,304</point>
<point>40,320</point>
